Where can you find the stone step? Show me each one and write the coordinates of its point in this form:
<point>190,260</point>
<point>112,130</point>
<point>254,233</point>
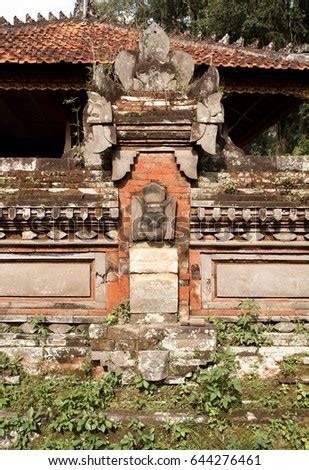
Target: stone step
<point>159,417</point>
<point>157,352</point>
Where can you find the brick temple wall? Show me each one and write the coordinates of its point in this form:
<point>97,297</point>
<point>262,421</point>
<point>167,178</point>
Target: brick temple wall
<point>160,168</point>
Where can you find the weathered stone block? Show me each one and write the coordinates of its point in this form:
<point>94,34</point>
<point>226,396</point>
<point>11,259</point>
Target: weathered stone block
<point>64,354</point>
<point>120,360</point>
<point>102,344</point>
<point>59,328</point>
<point>154,293</point>
<point>97,330</point>
<point>28,328</point>
<point>56,340</point>
<point>83,328</point>
<point>153,365</point>
<point>126,345</point>
<point>31,357</point>
<point>12,380</point>
<point>76,341</point>
<point>284,327</point>
<point>153,260</point>
<point>123,332</point>
<point>15,340</point>
<point>189,338</point>
<point>150,337</point>
<point>288,339</point>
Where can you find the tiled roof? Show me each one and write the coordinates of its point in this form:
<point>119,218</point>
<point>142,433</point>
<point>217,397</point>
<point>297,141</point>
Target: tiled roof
<point>88,41</point>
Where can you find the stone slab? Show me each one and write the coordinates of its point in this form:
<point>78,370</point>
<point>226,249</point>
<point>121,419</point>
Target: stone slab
<point>44,279</point>
<point>153,260</point>
<point>154,293</point>
<point>262,280</point>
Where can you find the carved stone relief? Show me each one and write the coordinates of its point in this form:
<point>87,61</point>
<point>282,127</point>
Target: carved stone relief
<point>153,214</point>
<point>99,131</point>
<point>154,68</point>
<point>210,111</point>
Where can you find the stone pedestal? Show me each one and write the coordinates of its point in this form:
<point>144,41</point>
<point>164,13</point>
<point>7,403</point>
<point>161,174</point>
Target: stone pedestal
<point>153,279</point>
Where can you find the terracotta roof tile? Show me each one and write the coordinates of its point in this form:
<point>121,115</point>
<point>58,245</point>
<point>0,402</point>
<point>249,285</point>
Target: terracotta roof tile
<point>77,41</point>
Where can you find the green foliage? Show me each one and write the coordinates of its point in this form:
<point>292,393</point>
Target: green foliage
<point>229,185</point>
<point>288,137</point>
<point>289,366</point>
<point>302,397</point>
<point>89,395</point>
<point>139,437</point>
<point>148,388</point>
<point>245,332</point>
<point>111,320</point>
<point>81,421</point>
<point>40,329</point>
<point>219,390</point>
<point>23,426</point>
<point>10,366</point>
<point>179,432</point>
<point>278,21</point>
<point>67,412</point>
<point>121,314</point>
<point>286,430</point>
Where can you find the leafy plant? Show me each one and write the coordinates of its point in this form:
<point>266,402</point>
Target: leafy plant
<point>289,366</point>
<point>111,320</point>
<point>121,313</point>
<point>78,422</point>
<point>89,395</point>
<point>300,328</point>
<point>179,432</point>
<point>219,390</point>
<point>25,428</point>
<point>302,397</point>
<point>229,185</point>
<point>10,366</point>
<point>245,332</point>
<point>40,329</point>
<point>288,429</point>
<point>148,388</point>
<point>139,437</point>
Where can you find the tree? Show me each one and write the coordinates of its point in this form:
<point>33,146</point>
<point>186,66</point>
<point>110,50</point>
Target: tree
<point>277,21</point>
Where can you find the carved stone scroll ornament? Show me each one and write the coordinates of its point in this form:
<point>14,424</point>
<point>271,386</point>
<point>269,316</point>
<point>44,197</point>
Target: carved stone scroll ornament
<point>154,68</point>
<point>99,132</point>
<point>123,159</point>
<point>153,214</point>
<point>210,111</point>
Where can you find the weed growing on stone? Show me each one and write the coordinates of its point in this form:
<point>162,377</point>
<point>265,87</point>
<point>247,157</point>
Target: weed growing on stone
<point>245,332</point>
<point>302,397</point>
<point>9,367</point>
<point>290,366</point>
<point>148,388</point>
<point>179,432</point>
<point>120,314</point>
<point>55,411</point>
<point>219,391</point>
<point>40,329</point>
<point>138,437</point>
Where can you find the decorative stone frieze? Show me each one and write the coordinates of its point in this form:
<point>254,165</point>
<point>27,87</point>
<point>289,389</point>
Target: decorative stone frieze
<point>57,223</point>
<point>248,222</point>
